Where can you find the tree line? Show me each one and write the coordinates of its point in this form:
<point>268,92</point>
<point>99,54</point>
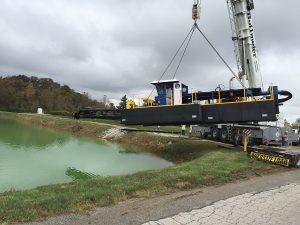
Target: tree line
<point>296,124</point>
<point>25,94</point>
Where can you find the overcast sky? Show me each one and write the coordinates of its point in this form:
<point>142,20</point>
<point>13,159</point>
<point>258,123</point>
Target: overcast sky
<point>118,47</point>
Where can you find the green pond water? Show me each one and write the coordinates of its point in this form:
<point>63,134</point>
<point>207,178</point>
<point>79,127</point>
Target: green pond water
<point>31,156</point>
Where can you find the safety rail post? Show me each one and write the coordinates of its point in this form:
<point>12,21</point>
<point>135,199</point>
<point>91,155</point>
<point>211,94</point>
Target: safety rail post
<point>246,136</point>
<point>171,98</point>
<point>151,102</point>
<point>133,101</point>
<point>219,95</point>
<point>272,91</point>
<point>192,95</point>
<point>245,142</point>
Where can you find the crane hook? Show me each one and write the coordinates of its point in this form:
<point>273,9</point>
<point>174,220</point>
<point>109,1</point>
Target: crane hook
<point>196,10</point>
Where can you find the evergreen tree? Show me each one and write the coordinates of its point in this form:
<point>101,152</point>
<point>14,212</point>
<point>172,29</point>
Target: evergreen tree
<point>122,104</point>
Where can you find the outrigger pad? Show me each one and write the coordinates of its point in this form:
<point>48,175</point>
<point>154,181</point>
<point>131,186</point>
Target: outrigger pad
<point>240,112</point>
<point>276,156</point>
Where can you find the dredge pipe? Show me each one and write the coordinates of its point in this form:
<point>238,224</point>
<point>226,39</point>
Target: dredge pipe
<point>288,97</point>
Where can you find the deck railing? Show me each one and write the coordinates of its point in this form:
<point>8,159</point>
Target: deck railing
<point>150,103</point>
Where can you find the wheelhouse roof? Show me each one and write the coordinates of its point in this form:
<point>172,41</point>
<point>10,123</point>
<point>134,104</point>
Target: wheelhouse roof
<point>164,81</point>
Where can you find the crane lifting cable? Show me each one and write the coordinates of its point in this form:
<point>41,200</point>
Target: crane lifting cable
<point>187,38</point>
<point>219,55</point>
<point>185,49</point>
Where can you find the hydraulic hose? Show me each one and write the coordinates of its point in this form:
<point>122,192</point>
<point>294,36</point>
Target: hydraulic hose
<point>288,97</point>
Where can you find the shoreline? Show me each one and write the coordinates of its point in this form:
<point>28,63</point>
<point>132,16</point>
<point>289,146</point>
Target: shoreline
<point>96,130</point>
<point>155,143</point>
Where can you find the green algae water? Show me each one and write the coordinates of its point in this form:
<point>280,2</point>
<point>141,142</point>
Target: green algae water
<point>31,156</point>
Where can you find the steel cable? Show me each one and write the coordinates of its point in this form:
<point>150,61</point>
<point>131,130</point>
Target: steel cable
<point>172,60</point>
<point>187,45</point>
<point>216,51</point>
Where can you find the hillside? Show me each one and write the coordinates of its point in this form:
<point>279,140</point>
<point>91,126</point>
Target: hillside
<point>26,94</point>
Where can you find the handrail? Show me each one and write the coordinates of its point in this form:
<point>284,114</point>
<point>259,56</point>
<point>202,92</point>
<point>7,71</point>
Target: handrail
<point>271,96</point>
<point>209,104</point>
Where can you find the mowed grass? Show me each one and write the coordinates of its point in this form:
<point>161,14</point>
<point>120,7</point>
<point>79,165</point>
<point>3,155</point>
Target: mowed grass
<point>196,164</point>
<point>215,166</point>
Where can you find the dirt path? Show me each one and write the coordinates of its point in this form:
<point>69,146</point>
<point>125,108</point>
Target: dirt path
<point>140,211</point>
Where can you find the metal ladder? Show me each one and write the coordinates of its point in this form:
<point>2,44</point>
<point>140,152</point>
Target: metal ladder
<point>230,133</point>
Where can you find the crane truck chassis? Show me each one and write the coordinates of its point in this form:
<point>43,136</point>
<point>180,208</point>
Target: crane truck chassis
<point>258,134</point>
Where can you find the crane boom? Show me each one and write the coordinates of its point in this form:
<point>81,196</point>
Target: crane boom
<point>244,42</point>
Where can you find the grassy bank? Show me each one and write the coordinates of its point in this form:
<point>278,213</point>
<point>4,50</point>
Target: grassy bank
<point>198,164</point>
<point>212,168</point>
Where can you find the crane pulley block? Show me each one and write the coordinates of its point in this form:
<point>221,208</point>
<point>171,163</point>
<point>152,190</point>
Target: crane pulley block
<point>250,5</point>
<point>196,12</point>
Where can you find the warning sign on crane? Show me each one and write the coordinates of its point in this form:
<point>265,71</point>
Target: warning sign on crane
<point>247,132</point>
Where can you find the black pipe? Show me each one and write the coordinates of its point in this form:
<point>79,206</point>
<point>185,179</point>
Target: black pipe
<point>285,93</point>
<point>224,94</point>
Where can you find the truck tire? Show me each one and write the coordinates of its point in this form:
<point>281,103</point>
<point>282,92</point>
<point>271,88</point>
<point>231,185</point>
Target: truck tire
<point>203,135</point>
<point>224,135</point>
<point>298,163</point>
<point>252,141</point>
<point>215,134</point>
<point>237,137</point>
